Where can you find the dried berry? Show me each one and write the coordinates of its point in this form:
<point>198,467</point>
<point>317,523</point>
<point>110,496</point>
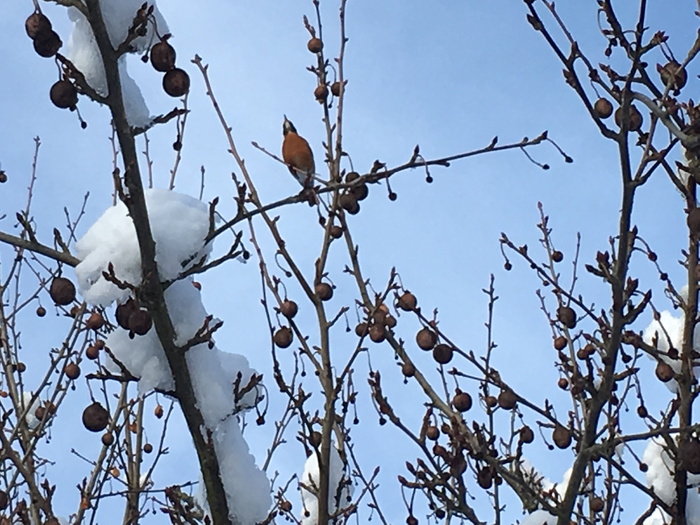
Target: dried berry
<point>484,478</point>
<point>360,191</point>
<point>566,316</point>
<point>557,256</point>
<point>336,232</point>
<point>289,309</point>
<point>321,92</point>
<point>664,371</point>
<point>62,291</point>
<point>107,439</point>
<point>432,433</point>
<point>47,44</point>
<point>597,504</point>
<point>315,439</point>
<point>336,88</point>
<point>560,342</point>
<point>163,56</point>
<point>63,94</point>
<point>324,291</point>
<point>390,321</point>
<point>507,399</point>
<point>426,338</point>
<point>635,118</point>
<point>92,352</point>
<point>526,435</point>
<point>140,322</point>
<point>349,203</point>
<point>377,333</point>
<point>361,329</point>
<point>442,353</point>
<point>563,383</point>
<point>158,411</point>
<point>41,311</point>
<point>95,417</point>
<point>561,437</point>
<point>283,337</point>
<point>491,401</point>
<point>408,369</point>
<point>72,370</point>
<point>148,448</point>
<point>124,311</point>
<point>351,176</point>
<point>176,82</point>
<point>407,302</point>
<point>462,401</point>
<point>603,108</point>
<point>95,321</point>
<point>642,411</point>
<point>37,25</point>
<point>673,76</point>
<point>315,45</point>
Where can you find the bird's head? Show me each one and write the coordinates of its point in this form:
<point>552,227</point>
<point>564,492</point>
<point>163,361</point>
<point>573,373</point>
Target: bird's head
<point>287,126</point>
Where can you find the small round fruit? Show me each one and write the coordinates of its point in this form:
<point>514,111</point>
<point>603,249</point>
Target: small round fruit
<point>324,291</point>
<point>426,339</point>
<point>95,321</point>
<point>351,176</point>
<point>566,316</point>
<point>603,108</point>
<point>462,401</point>
<point>484,478</point>
<point>507,399</point>
<point>62,291</point>
<point>361,329</point>
<point>92,352</point>
<point>377,333</point>
<point>673,75</point>
<point>148,448</point>
<point>140,322</point>
<point>336,232</point>
<point>557,256</point>
<point>40,412</point>
<point>597,504</point>
<point>158,411</point>
<point>443,353</point>
<point>72,370</point>
<point>176,82</point>
<point>349,203</point>
<point>315,45</point>
<point>37,25</point>
<point>95,417</point>
<point>635,118</point>
<point>321,92</point>
<point>40,311</point>
<point>432,433</point>
<point>360,192</point>
<point>526,435</point>
<point>407,302</point>
<point>664,372</point>
<point>408,369</point>
<point>124,311</point>
<point>490,401</point>
<point>561,437</point>
<point>163,56</point>
<point>47,44</point>
<point>283,337</point>
<point>563,383</point>
<point>63,94</point>
<point>107,439</point>
<point>4,500</point>
<point>560,342</point>
<point>315,439</point>
<point>336,88</point>
<point>289,309</point>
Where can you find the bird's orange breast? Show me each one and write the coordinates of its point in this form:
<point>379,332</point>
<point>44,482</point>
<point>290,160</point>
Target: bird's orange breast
<point>297,153</point>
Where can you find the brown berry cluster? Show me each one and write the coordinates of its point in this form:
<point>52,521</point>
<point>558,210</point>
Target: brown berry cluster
<point>46,40</point>
<point>176,81</point>
<point>133,318</point>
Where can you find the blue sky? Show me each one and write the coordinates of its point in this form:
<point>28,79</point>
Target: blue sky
<point>446,75</point>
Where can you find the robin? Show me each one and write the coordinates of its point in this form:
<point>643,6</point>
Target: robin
<point>297,154</point>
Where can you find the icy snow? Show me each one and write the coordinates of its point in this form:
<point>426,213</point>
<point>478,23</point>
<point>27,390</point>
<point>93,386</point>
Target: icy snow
<point>339,492</point>
<point>85,55</point>
<point>179,224</point>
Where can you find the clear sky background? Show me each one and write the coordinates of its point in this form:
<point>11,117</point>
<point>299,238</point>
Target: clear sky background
<point>447,75</point>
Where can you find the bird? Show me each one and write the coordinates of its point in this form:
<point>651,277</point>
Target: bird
<point>297,155</point>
